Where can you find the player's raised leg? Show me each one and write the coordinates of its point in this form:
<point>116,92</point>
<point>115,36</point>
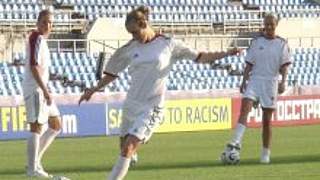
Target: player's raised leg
<point>134,157</point>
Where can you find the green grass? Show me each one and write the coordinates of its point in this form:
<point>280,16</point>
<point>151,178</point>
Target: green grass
<point>177,156</point>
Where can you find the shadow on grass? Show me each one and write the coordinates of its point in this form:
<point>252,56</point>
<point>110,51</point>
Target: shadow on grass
<point>246,162</point>
<point>293,159</point>
<point>178,165</point>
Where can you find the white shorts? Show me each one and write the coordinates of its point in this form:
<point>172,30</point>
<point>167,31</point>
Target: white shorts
<point>263,91</point>
<point>141,124</point>
<point>37,109</point>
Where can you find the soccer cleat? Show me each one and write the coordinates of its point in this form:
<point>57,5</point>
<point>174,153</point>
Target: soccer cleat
<point>134,159</point>
<point>38,173</point>
<point>40,170</point>
<point>265,157</point>
<point>265,160</point>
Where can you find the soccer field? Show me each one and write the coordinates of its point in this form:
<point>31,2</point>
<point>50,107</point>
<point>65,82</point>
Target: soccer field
<point>177,156</point>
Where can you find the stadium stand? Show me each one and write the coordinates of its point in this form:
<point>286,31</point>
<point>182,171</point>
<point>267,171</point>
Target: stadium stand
<point>185,75</point>
<point>164,11</point>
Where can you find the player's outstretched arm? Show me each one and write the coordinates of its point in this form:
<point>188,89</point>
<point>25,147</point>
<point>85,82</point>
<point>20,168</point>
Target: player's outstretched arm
<point>102,83</point>
<point>210,57</point>
<point>245,77</point>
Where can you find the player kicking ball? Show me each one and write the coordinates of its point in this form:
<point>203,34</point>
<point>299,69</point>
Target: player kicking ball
<point>150,57</point>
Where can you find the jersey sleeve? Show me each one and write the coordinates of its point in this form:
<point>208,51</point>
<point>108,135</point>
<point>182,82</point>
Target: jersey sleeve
<point>181,51</point>
<point>286,55</point>
<point>35,43</point>
<point>117,62</point>
<point>250,59</point>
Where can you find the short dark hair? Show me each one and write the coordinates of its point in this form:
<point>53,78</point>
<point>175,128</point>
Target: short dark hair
<point>139,14</point>
<point>43,13</point>
<point>272,16</point>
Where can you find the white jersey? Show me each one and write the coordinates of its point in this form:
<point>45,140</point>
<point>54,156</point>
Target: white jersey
<point>267,56</point>
<point>37,54</point>
<point>149,65</point>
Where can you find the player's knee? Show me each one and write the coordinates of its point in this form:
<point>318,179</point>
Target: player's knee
<point>245,110</point>
<point>127,150</point>
<point>55,123</point>
<point>129,147</point>
<point>35,127</point>
<point>243,117</point>
<point>56,127</point>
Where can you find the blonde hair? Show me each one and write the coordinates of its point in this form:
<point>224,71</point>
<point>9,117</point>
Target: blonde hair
<point>138,15</point>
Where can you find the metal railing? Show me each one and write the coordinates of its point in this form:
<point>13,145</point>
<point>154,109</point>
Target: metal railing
<point>27,20</point>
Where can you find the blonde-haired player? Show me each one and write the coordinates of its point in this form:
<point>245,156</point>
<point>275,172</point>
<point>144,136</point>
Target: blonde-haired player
<point>40,108</point>
<point>149,57</point>
<point>267,56</point>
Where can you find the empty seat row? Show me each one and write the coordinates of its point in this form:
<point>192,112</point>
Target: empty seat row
<point>185,74</point>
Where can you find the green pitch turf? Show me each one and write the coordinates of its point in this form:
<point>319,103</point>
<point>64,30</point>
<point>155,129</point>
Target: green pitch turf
<point>177,156</point>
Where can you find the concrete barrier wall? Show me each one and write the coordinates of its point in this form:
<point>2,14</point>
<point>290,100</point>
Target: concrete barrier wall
<point>300,27</point>
<point>108,31</point>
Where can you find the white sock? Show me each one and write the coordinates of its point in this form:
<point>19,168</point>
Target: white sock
<point>33,150</point>
<point>45,140</point>
<point>266,151</point>
<point>238,133</point>
<point>120,169</point>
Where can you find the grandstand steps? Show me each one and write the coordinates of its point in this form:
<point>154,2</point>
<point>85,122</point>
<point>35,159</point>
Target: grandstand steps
<point>193,29</point>
<point>185,30</point>
<point>73,25</point>
<point>241,26</point>
<point>20,26</point>
<point>235,26</point>
<point>62,5</point>
<point>69,35</point>
<point>67,41</point>
<point>9,26</point>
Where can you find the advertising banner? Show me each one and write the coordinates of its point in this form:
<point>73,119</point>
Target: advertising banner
<point>184,115</point>
<point>84,120</point>
<point>291,110</point>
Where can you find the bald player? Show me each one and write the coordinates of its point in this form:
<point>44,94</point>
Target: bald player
<point>267,57</point>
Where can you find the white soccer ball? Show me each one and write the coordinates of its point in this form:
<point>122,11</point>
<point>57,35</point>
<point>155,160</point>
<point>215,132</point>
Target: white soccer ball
<point>230,157</point>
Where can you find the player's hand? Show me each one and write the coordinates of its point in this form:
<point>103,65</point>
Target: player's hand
<point>48,98</point>
<point>281,87</point>
<point>86,95</point>
<point>234,51</point>
<point>243,87</point>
